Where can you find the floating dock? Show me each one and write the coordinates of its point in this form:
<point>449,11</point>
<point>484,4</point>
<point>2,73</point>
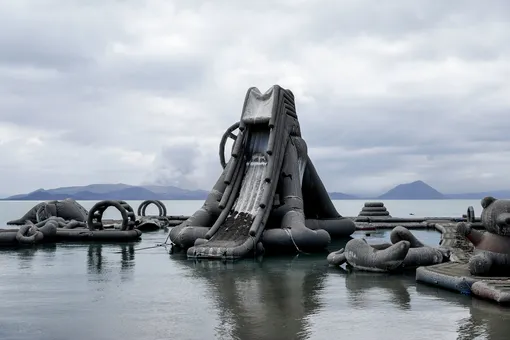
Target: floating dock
<point>455,275</point>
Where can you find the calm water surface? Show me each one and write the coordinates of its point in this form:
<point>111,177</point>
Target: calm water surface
<point>114,291</point>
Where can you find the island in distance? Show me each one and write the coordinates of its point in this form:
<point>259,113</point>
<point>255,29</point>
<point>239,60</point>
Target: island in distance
<point>417,190</point>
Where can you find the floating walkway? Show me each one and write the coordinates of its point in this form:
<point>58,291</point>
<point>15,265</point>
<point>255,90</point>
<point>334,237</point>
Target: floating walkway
<point>455,275</point>
<point>374,216</point>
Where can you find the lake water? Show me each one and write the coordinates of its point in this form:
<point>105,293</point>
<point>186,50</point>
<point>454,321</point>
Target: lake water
<point>115,291</point>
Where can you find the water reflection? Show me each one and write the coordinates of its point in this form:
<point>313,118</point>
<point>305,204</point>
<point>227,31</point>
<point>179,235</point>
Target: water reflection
<point>361,285</point>
<point>103,268</point>
<point>269,299</point>
<point>26,255</point>
<point>487,320</point>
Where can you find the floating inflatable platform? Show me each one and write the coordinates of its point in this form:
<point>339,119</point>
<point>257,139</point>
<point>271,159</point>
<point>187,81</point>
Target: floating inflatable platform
<point>374,215</point>
<point>45,224</point>
<point>455,275</point>
<point>15,237</point>
<point>68,221</point>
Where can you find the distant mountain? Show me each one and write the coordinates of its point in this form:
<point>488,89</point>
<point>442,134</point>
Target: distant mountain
<point>342,196</point>
<point>112,191</point>
<point>417,190</point>
<point>479,195</point>
<point>120,191</point>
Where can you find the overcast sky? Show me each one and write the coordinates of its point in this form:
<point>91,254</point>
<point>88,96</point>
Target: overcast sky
<point>128,91</point>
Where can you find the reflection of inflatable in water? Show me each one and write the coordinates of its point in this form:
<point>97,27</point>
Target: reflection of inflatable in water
<point>269,194</point>
<point>268,299</point>
<point>362,285</point>
<point>486,321</point>
<point>26,255</point>
<point>99,265</point>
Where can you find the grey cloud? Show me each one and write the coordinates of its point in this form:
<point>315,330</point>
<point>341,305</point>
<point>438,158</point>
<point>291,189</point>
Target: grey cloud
<point>397,18</point>
<point>175,165</point>
<point>386,91</point>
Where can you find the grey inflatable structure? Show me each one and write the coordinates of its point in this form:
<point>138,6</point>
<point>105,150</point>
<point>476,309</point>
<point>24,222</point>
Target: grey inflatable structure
<point>404,252</point>
<point>269,195</point>
<point>492,246</point>
<point>67,209</point>
<point>67,220</point>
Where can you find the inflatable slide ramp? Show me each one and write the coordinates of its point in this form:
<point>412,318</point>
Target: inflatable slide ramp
<point>257,202</point>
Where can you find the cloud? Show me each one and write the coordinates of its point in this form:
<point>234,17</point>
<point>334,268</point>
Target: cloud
<point>141,91</point>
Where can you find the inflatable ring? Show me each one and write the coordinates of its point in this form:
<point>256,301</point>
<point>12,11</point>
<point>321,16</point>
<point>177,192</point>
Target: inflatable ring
<point>95,218</point>
<point>29,234</point>
<point>143,207</point>
<point>228,134</point>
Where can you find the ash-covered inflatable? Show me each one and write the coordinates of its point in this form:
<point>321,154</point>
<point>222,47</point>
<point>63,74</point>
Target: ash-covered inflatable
<point>269,196</point>
<point>404,252</point>
<point>67,210</point>
<point>492,247</point>
<point>67,220</point>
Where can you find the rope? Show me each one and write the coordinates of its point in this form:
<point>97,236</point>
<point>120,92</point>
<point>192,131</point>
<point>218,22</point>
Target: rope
<point>164,244</point>
<point>287,230</point>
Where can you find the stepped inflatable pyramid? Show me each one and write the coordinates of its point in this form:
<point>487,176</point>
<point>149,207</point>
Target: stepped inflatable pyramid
<point>269,196</point>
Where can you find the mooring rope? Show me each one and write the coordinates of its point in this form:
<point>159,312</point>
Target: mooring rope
<point>287,230</point>
<point>164,244</point>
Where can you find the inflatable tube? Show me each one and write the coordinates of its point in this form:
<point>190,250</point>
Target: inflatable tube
<point>374,204</point>
<point>185,237</point>
<point>98,235</point>
<point>75,224</point>
<point>337,258</point>
<point>295,238</point>
<point>402,234</point>
<point>58,220</point>
<point>29,234</point>
<point>373,213</point>
<point>49,230</point>
<point>419,254</point>
<point>223,141</point>
<point>143,207</point>
<point>372,209</point>
<point>360,255</point>
<point>424,256</point>
<point>95,216</point>
<point>397,220</point>
<point>337,228</point>
<point>8,237</point>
